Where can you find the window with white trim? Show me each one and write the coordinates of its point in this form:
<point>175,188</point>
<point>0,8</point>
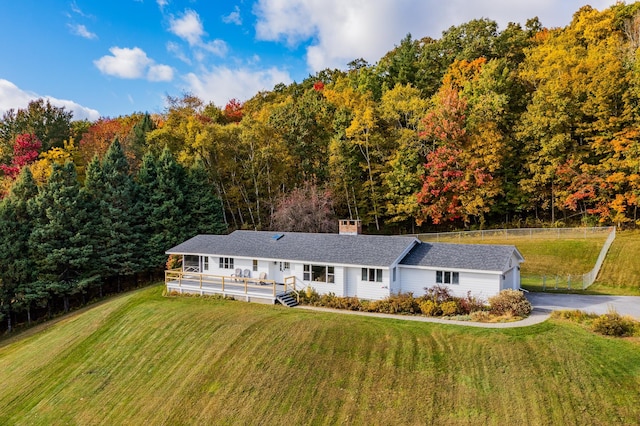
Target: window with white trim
<point>205,263</point>
<point>226,263</point>
<point>372,275</point>
<point>447,277</point>
<point>318,273</point>
<point>255,265</point>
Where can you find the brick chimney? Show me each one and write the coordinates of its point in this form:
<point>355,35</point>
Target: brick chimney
<point>350,227</point>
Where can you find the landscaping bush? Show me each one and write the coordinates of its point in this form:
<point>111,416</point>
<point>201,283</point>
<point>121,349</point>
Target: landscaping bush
<point>470,304</point>
<point>574,315</point>
<point>510,302</point>
<point>430,308</point>
<point>613,324</point>
<point>449,308</point>
<point>480,316</point>
<point>438,294</point>
<point>404,303</point>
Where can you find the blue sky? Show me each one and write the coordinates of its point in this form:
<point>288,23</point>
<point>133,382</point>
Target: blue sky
<point>115,57</point>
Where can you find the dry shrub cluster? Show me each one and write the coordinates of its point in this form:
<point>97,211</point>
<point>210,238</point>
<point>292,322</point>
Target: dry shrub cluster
<point>436,302</point>
<point>609,324</point>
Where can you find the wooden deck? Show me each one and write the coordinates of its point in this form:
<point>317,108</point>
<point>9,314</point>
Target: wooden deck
<point>247,289</point>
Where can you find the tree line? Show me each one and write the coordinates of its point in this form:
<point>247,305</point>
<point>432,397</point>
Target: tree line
<point>478,128</point>
<point>64,241</point>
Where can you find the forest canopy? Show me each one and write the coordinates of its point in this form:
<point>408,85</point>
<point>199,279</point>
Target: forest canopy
<point>481,127</point>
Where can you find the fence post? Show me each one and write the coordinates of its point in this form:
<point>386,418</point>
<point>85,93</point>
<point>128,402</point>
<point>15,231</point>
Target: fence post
<point>556,287</point>
<point>569,281</point>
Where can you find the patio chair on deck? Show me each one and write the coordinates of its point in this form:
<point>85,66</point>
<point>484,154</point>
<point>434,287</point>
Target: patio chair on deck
<point>238,273</point>
<point>247,273</point>
<point>263,276</point>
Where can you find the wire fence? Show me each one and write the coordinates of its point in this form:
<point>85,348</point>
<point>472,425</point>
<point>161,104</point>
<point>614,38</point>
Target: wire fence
<point>518,233</point>
<point>540,282</point>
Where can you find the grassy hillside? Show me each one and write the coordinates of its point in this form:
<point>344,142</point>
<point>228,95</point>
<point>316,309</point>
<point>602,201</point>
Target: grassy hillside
<point>142,358</point>
<point>620,273</point>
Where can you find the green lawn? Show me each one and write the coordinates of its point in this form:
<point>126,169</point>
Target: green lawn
<point>620,273</point>
<point>145,359</point>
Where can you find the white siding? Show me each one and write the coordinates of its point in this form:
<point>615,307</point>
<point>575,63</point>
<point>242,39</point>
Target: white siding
<point>512,279</point>
<point>394,286</point>
<point>372,290</point>
<point>483,285</point>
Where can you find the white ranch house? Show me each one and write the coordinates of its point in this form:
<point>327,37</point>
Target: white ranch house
<point>266,266</point>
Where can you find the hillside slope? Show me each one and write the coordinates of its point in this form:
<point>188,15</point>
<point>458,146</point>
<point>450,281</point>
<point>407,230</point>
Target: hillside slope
<point>142,358</point>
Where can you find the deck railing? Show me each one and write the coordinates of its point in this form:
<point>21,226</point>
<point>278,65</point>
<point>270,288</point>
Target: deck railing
<point>227,283</point>
<point>290,283</point>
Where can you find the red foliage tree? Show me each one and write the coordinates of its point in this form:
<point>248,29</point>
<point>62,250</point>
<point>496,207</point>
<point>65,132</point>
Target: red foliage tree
<point>443,183</point>
<point>233,111</point>
<point>318,86</point>
<point>26,149</point>
<point>101,134</point>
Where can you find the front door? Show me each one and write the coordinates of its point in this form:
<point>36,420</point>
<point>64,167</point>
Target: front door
<point>279,270</point>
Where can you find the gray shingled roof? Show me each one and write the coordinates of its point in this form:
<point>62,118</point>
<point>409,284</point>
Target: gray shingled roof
<point>481,257</point>
<point>365,250</point>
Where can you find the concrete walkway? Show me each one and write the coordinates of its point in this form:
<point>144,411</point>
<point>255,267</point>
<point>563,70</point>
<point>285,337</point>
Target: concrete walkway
<point>543,305</point>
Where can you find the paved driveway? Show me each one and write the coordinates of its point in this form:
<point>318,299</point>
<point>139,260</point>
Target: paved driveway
<point>624,305</point>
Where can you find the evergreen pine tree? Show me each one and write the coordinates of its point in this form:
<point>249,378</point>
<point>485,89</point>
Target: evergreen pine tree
<point>162,185</point>
<point>136,141</point>
<point>60,239</point>
<point>205,208</point>
<point>111,190</point>
<point>18,289</point>
<point>146,179</point>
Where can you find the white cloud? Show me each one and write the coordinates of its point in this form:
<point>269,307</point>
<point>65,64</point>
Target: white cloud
<point>162,3</point>
<point>176,51</point>
<point>82,31</point>
<point>75,9</point>
<point>12,97</point>
<point>132,63</point>
<point>188,27</point>
<point>160,73</point>
<point>217,47</point>
<point>233,17</point>
<point>337,31</point>
<point>220,84</point>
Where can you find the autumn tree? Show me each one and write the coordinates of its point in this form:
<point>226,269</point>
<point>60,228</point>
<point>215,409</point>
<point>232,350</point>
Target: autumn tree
<point>305,209</point>
<point>25,151</point>
<point>581,100</point>
<point>303,123</point>
<point>401,111</point>
<point>50,124</point>
<point>360,136</point>
<point>464,152</point>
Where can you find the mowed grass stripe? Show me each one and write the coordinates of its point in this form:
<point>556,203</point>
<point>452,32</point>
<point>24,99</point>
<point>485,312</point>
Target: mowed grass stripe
<point>156,360</point>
